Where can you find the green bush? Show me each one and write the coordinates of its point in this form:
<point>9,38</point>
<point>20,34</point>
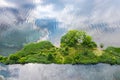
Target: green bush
<point>76,48</point>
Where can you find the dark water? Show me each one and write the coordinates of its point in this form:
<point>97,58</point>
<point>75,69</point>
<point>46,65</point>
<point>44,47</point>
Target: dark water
<point>59,72</point>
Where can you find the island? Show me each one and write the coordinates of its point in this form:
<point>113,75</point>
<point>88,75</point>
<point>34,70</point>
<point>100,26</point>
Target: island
<point>76,47</point>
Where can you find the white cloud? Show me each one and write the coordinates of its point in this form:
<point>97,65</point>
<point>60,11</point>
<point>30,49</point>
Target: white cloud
<point>81,14</point>
<point>6,17</point>
<point>73,14</point>
<point>106,11</point>
<point>41,12</point>
<point>4,3</point>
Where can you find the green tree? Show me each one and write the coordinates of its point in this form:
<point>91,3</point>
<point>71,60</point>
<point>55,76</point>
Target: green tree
<point>101,45</point>
<point>50,57</point>
<point>64,51</point>
<point>75,38</point>
<point>39,45</point>
<point>1,57</point>
<point>72,38</point>
<point>14,57</point>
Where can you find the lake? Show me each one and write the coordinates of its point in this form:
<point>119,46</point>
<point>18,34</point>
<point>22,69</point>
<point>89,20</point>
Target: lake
<point>59,72</point>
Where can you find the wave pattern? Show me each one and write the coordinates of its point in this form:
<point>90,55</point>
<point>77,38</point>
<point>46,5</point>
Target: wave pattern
<point>58,72</point>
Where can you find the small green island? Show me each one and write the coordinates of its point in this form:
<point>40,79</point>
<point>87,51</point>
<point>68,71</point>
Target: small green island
<point>76,47</point>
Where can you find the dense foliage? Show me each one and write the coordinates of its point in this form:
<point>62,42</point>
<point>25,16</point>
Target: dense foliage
<point>76,38</point>
<point>76,48</point>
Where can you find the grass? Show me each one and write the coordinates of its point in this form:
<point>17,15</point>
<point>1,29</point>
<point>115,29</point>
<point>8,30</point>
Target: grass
<point>79,53</point>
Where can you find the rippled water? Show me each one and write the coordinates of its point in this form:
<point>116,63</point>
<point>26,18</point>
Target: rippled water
<point>59,72</point>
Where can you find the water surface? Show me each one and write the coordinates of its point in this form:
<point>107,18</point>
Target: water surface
<point>59,72</point>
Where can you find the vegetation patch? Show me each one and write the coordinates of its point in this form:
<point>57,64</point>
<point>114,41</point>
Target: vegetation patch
<point>76,47</point>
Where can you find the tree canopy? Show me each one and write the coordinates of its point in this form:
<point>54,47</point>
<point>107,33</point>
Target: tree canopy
<point>77,38</point>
